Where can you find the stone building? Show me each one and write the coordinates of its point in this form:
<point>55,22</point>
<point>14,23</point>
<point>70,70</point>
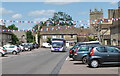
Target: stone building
<point>102,29</point>
<point>105,32</point>
<point>21,36</point>
<point>5,36</point>
<point>71,35</point>
<point>95,15</point>
<point>115,28</point>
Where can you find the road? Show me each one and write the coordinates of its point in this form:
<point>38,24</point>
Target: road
<point>41,62</point>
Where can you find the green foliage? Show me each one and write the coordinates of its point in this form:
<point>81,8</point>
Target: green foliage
<point>12,27</point>
<point>91,39</point>
<point>38,26</point>
<point>61,18</point>
<point>14,39</point>
<point>49,40</point>
<point>29,36</point>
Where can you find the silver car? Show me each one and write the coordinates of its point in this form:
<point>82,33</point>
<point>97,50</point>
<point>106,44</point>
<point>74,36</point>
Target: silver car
<point>12,49</point>
<point>3,51</point>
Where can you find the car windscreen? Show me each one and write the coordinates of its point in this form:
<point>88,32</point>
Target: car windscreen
<point>57,44</point>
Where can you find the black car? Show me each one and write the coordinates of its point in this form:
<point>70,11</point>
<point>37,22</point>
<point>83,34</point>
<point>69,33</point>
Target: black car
<point>101,55</point>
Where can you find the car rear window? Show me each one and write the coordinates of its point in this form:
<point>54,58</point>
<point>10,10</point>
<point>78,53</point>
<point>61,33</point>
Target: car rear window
<point>83,48</point>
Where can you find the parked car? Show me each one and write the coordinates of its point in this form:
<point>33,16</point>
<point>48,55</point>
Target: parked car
<point>80,54</point>
<point>27,48</point>
<point>3,51</point>
<point>71,51</point>
<point>77,45</point>
<point>101,55</point>
<point>21,47</point>
<point>31,45</point>
<point>36,45</point>
<point>12,49</point>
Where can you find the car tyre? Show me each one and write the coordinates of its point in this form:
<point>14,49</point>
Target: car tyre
<point>14,53</point>
<point>84,60</point>
<point>1,55</point>
<point>94,64</point>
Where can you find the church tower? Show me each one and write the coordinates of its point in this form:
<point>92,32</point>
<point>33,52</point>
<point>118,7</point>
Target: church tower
<point>94,15</point>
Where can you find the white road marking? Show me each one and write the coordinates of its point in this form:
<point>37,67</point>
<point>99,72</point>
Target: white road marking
<point>67,58</point>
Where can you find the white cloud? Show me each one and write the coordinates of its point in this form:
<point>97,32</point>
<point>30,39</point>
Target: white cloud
<point>4,11</point>
<point>40,19</point>
<point>114,2</point>
<point>41,13</point>
<point>60,2</point>
<point>17,16</point>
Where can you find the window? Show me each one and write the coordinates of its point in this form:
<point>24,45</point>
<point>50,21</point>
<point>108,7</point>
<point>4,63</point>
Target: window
<point>53,36</point>
<point>101,49</point>
<point>44,37</point>
<point>62,36</point>
<point>112,50</point>
<point>71,36</point>
<point>83,48</point>
<point>11,46</point>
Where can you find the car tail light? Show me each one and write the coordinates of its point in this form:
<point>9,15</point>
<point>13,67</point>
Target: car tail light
<point>92,52</point>
<point>3,50</point>
<point>70,51</point>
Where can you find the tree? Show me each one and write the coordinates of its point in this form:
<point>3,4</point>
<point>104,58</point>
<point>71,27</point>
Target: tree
<point>60,18</point>
<point>91,39</point>
<point>49,40</point>
<point>29,36</point>
<point>14,38</point>
<point>12,27</point>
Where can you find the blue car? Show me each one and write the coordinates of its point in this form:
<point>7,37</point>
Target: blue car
<point>81,53</point>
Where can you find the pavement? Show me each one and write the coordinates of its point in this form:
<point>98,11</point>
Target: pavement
<point>77,67</point>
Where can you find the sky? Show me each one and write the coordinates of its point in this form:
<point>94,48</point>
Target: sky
<point>40,11</point>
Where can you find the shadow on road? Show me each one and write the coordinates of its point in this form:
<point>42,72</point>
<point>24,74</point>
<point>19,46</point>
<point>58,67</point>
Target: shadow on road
<point>5,56</point>
<point>79,64</point>
<point>106,66</point>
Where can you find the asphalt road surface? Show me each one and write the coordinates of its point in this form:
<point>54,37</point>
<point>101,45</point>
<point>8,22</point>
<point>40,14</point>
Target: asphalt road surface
<point>41,62</point>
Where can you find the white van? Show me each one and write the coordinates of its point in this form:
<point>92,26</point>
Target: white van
<point>46,45</point>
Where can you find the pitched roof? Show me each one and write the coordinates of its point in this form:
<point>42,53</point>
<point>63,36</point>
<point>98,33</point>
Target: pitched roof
<point>65,31</point>
<point>2,27</point>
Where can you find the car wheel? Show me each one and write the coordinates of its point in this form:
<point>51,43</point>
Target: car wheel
<point>84,60</point>
<point>1,54</point>
<point>14,53</point>
<point>94,63</point>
